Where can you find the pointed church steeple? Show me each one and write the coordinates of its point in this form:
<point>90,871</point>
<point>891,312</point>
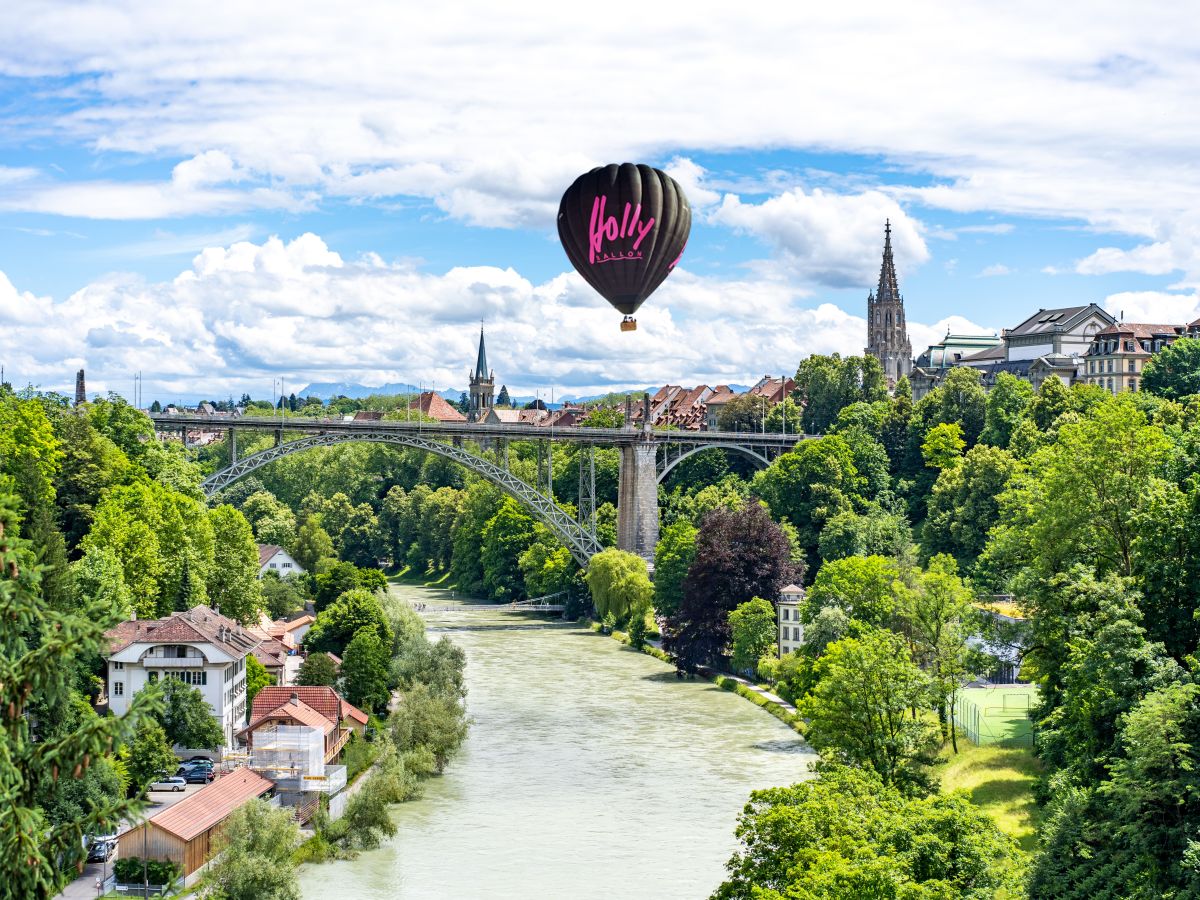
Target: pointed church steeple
<point>482,384</point>
<point>481,369</point>
<point>887,334</point>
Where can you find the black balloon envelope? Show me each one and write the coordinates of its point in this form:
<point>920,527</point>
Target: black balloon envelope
<point>624,228</point>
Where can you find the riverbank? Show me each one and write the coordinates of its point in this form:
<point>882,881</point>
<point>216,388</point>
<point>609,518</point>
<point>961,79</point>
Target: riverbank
<point>775,705</point>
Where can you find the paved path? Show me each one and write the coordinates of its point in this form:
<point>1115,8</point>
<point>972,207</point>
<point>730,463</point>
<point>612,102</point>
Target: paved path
<point>762,692</point>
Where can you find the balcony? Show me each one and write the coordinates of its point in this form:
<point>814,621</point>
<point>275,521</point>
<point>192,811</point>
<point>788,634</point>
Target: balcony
<point>173,662</point>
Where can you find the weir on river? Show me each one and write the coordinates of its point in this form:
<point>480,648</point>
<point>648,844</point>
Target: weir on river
<point>590,772</point>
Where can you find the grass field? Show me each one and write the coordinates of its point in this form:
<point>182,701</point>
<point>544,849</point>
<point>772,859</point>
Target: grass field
<point>999,780</point>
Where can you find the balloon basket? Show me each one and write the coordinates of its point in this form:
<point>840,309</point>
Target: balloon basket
<point>629,323</point>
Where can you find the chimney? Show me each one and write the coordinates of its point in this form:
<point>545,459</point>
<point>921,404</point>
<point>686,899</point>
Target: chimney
<point>295,701</point>
<point>134,619</point>
<point>80,389</point>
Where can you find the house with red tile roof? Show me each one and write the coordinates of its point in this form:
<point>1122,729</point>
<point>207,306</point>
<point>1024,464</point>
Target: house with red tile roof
<point>435,406</point>
<point>188,833</point>
<point>273,558</point>
<point>296,712</point>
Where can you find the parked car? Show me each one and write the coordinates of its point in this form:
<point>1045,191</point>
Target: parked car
<point>187,767</point>
<point>174,783</point>
<point>198,775</point>
<point>204,759</point>
<point>101,851</point>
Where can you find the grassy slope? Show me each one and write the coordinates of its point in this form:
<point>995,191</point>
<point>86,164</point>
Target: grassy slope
<point>999,779</point>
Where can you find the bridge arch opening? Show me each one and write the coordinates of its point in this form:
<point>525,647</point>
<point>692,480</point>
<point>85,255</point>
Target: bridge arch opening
<point>671,461</point>
<point>578,540</point>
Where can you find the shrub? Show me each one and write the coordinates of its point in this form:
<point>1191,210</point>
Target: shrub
<point>155,871</point>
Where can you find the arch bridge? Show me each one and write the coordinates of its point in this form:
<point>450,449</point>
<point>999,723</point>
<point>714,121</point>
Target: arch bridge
<point>648,456</point>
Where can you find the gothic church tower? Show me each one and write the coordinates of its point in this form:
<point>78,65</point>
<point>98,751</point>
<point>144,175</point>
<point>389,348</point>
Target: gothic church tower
<point>483,383</point>
<point>887,336</point>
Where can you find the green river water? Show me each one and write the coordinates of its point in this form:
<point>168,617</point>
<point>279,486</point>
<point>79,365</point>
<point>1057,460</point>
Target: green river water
<point>590,772</point>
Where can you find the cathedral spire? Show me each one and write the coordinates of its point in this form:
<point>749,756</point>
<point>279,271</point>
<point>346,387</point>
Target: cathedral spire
<point>889,288</point>
<point>887,334</point>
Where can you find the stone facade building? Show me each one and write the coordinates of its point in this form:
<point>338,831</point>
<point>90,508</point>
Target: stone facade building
<point>1119,353</point>
<point>887,334</point>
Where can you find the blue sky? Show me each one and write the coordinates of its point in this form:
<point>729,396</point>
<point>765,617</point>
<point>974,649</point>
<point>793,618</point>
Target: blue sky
<point>219,197</point>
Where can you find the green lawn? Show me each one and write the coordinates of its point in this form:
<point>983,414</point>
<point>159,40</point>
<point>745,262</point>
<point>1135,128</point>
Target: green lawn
<point>999,779</point>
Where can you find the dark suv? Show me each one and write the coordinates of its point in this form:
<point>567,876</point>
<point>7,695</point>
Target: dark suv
<point>196,772</point>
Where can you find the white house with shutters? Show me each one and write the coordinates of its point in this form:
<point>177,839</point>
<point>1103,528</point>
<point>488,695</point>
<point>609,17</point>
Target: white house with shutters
<point>791,629</point>
<point>200,647</point>
<point>272,558</point>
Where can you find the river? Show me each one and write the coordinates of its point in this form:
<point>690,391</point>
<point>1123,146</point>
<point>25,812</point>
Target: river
<point>590,772</point>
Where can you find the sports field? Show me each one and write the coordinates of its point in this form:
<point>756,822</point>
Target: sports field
<point>997,713</point>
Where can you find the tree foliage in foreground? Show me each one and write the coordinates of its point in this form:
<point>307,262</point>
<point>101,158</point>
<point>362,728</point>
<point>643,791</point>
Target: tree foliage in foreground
<point>256,856</point>
<point>619,583</point>
<point>847,834</point>
<point>37,649</point>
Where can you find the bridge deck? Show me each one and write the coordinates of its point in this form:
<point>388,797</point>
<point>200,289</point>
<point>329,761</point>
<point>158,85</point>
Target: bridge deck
<point>477,431</point>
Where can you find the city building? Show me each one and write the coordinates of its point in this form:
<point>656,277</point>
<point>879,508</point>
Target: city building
<point>482,383</point>
<point>791,629</point>
<point>200,647</point>
<point>273,558</point>
<point>932,365</point>
<point>887,334</point>
<point>434,405</point>
<point>188,833</point>
<point>1051,343</point>
<point>1119,353</point>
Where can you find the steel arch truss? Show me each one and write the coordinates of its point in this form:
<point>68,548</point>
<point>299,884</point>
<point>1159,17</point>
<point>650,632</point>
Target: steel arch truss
<point>672,455</point>
<point>582,543</point>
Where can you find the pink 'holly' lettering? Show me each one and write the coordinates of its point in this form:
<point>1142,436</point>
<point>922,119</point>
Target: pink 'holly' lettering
<point>601,229</point>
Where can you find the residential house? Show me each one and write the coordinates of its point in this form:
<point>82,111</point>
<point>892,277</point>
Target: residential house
<point>200,647</point>
<point>716,401</point>
<point>296,712</point>
<point>188,832</point>
<point>273,558</point>
<point>1119,353</point>
<point>674,406</point>
<point>324,700</point>
<point>791,629</point>
<point>435,406</point>
<point>569,416</point>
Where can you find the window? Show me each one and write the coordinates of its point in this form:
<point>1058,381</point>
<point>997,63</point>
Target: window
<point>287,565</point>
<point>1133,365</point>
<point>118,689</point>
<point>1110,367</point>
<point>1133,384</point>
<point>273,565</point>
<point>785,614</point>
<point>795,634</point>
<point>117,666</point>
<point>1110,386</point>
<point>1129,346</point>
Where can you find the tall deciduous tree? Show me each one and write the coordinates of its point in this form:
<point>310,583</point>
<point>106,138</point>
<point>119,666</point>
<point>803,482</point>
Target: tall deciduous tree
<point>619,583</point>
<point>186,717</point>
<point>827,384</point>
<point>255,860</point>
<point>1174,372</point>
<point>673,557</point>
<point>317,669</point>
<point>810,485</point>
<point>860,712</point>
<point>754,632</point>
<point>257,678</point>
<point>365,671</point>
<point>868,589</point>
<point>847,834</point>
<point>505,537</point>
<point>740,554</point>
<point>337,624</point>
<point>233,585</point>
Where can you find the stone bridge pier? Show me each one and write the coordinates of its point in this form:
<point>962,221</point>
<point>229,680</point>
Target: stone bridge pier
<point>637,500</point>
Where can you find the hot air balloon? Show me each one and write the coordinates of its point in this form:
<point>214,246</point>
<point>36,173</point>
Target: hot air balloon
<point>624,229</point>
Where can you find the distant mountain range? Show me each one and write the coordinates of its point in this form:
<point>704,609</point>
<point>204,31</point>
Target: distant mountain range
<point>329,390</point>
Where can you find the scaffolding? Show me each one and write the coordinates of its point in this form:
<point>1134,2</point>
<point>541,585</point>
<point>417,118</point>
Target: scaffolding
<point>292,756</point>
